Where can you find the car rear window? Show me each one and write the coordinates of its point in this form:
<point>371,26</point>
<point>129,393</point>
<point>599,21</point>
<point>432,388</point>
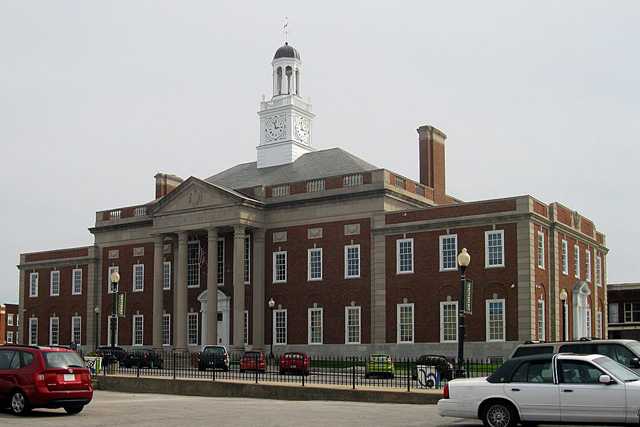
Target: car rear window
<point>63,359</point>
<point>533,351</point>
<point>252,354</point>
<point>216,350</point>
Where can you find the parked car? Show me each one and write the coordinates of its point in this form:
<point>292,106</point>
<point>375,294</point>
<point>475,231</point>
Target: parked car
<point>253,361</point>
<point>566,388</point>
<point>214,357</point>
<point>379,365</point>
<point>143,358</point>
<point>294,362</point>
<point>443,365</point>
<point>43,377</point>
<point>626,352</point>
<point>111,355</point>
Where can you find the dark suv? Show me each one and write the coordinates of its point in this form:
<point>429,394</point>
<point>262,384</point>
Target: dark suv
<point>43,377</point>
<point>214,357</point>
<point>111,355</point>
<point>143,358</point>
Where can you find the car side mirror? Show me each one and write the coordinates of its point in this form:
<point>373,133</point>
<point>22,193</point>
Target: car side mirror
<point>635,363</point>
<point>605,379</point>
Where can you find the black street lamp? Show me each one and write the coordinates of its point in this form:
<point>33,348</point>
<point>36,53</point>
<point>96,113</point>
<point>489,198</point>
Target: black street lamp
<point>271,304</point>
<point>115,278</point>
<point>463,262</point>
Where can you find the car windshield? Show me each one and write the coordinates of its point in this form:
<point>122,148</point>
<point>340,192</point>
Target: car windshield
<point>618,371</point>
<point>63,359</point>
<point>634,346</point>
<point>252,354</point>
<point>216,350</point>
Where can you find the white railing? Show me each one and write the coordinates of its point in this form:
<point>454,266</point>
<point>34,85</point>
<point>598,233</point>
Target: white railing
<point>140,211</point>
<point>115,214</point>
<point>315,185</point>
<point>352,180</point>
<point>280,191</point>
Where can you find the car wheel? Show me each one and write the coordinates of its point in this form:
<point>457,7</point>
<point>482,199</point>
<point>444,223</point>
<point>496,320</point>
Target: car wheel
<point>72,410</point>
<point>499,414</point>
<point>19,403</point>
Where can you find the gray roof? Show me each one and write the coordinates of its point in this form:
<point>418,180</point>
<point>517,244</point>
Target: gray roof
<point>316,164</point>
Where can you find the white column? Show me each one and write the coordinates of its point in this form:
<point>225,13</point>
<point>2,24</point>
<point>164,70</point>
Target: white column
<point>212,288</point>
<point>157,292</point>
<point>238,287</point>
<point>258,289</point>
<point>180,308</point>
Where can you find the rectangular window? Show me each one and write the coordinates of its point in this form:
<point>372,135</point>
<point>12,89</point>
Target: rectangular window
<point>33,285</point>
<point>494,248</point>
<point>76,330</point>
<point>404,256</point>
<point>540,249</point>
<point>352,325</point>
<point>449,321</point>
<point>314,264</point>
<point>166,275</point>
<point>495,320</point>
<point>405,323</point>
<point>246,327</point>
<point>9,319</point>
<point>315,325</point>
<point>598,271</point>
<point>351,261</point>
<point>598,324</point>
<point>587,264</point>
<point>221,262</point>
<point>280,327</point>
<point>576,261</point>
<point>138,278</point>
<point>33,331</point>
<point>565,257</point>
<point>280,190</point>
<point>192,328</point>
<point>631,312</point>
<point>112,287</point>
<point>247,260</point>
<point>352,180</point>
<point>448,252</point>
<point>76,281</point>
<point>315,185</point>
<point>54,284</point>
<point>54,331</point>
<point>280,267</point>
<point>193,264</point>
<point>614,315</point>
<point>138,330</point>
<point>112,321</point>
<point>9,337</point>
<point>541,321</point>
<point>588,321</point>
<point>166,329</point>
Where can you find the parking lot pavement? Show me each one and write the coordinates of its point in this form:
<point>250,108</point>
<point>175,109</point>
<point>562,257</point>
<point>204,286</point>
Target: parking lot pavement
<point>108,409</point>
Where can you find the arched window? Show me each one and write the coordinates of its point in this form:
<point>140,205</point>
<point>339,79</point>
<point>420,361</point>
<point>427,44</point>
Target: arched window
<point>297,82</point>
<point>288,72</point>
<point>279,77</point>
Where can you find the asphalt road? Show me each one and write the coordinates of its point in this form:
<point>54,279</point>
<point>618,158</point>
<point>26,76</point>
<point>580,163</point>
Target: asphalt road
<point>109,409</point>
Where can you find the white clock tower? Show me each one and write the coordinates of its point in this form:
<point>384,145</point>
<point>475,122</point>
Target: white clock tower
<point>285,120</point>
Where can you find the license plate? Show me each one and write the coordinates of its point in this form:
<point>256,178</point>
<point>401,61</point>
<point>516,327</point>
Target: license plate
<point>69,377</point>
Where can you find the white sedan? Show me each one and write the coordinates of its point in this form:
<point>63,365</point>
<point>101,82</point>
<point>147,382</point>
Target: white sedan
<point>564,388</point>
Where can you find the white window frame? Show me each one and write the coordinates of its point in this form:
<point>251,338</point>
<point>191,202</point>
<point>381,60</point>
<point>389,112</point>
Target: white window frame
<point>587,263</point>
<point>399,308</point>
<point>55,273</point>
<point>10,337</point>
<point>456,315</point>
<point>220,262</point>
<point>576,260</point>
<point>275,327</point>
<point>565,257</point>
<point>504,319</point>
<point>33,285</point>
<point>246,327</point>
<point>346,262</point>
<point>135,287</point>
<point>78,330</point>
<point>598,270</point>
<point>135,318</point>
<point>111,319</point>
<point>599,324</point>
<point>309,334</point>
<point>565,319</point>
<point>455,254</point>
<point>541,251</point>
<point>399,242</point>
<point>197,277</point>
<point>197,323</point>
<point>309,277</point>
<point>166,275</point>
<point>486,249</point>
<point>76,281</point>
<point>110,270</point>
<point>247,260</point>
<point>166,330</point>
<point>275,271</point>
<point>9,319</point>
<point>53,343</point>
<point>347,309</point>
<point>541,324</point>
<point>587,321</point>
<point>33,340</point>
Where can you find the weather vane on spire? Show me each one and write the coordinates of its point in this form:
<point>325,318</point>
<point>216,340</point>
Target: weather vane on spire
<point>285,29</point>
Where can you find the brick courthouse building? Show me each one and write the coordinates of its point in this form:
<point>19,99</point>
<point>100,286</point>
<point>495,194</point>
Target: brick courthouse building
<point>355,257</point>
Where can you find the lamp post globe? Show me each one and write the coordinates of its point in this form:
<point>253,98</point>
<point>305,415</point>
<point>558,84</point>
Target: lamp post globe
<point>464,259</point>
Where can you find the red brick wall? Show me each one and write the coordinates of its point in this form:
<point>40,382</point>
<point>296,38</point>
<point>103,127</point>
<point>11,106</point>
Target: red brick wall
<point>540,208</point>
<point>563,215</point>
<point>452,211</point>
<point>427,286</point>
<point>57,254</point>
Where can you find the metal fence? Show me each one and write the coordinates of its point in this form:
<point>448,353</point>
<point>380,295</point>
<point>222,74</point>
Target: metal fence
<point>355,372</point>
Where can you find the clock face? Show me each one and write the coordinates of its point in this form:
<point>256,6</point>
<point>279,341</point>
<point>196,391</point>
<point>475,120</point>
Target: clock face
<point>302,129</point>
<point>274,128</point>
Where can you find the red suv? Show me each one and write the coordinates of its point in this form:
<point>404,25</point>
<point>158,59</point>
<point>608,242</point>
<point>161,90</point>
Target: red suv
<point>295,362</point>
<point>252,361</point>
<point>43,377</point>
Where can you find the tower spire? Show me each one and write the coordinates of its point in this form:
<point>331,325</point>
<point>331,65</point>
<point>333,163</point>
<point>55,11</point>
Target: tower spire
<point>285,30</point>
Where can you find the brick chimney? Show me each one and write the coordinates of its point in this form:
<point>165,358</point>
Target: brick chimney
<point>431,142</point>
<point>166,183</point>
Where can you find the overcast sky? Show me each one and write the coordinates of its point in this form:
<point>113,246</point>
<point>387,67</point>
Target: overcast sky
<point>535,97</point>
